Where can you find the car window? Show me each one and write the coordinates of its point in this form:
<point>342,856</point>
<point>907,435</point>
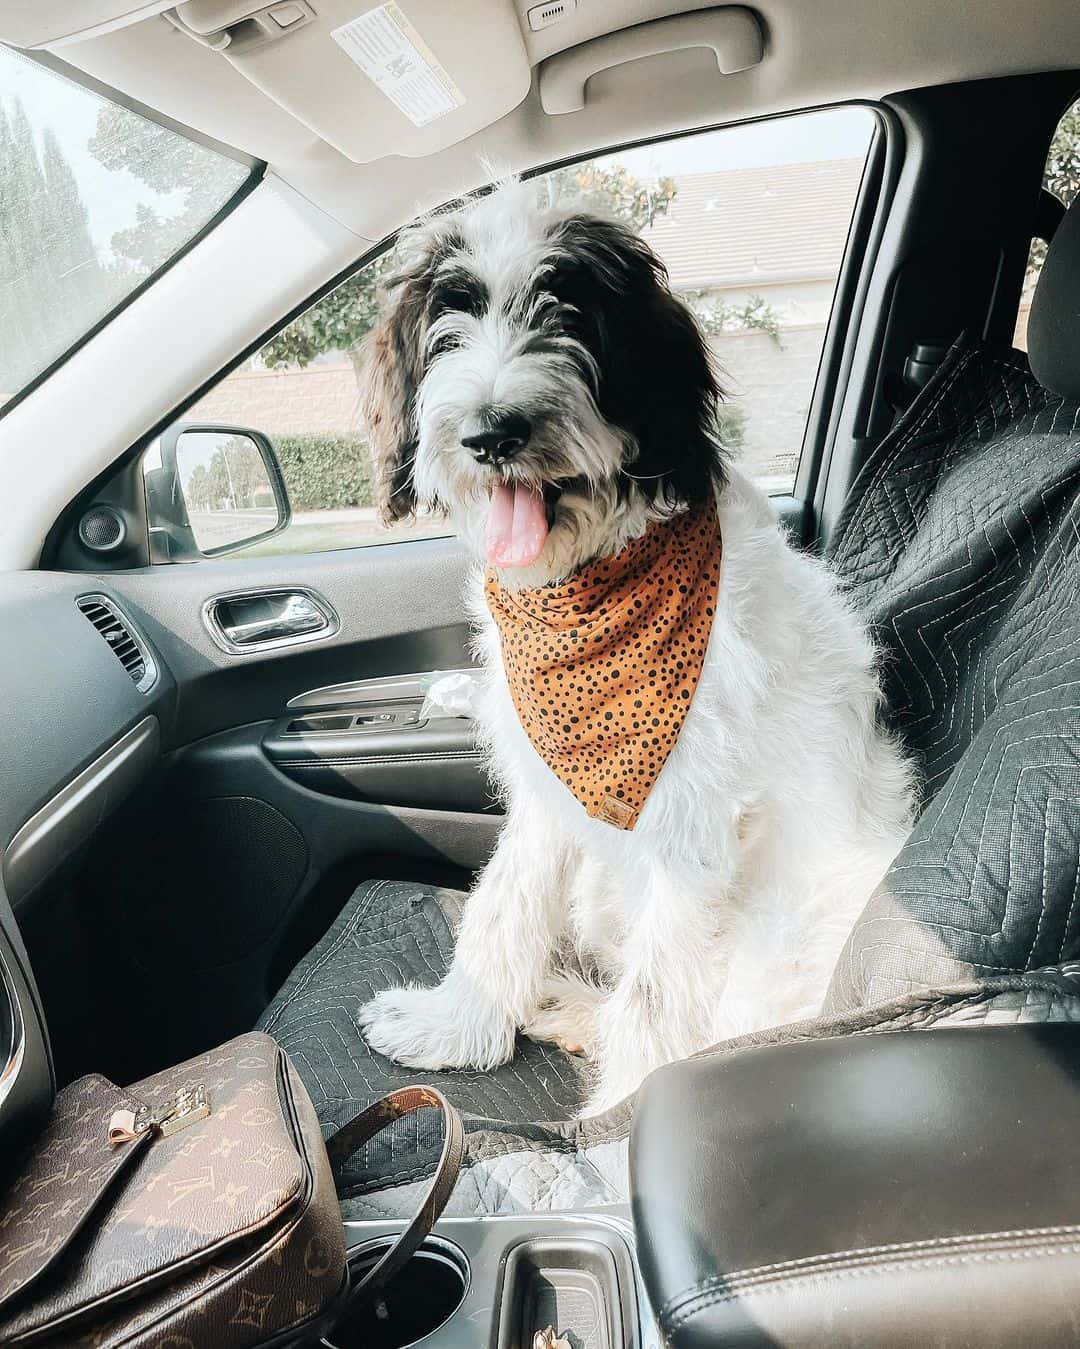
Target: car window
<point>1061,177</point>
<point>751,223</point>
<point>93,200</point>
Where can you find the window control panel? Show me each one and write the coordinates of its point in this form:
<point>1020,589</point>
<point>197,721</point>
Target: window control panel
<point>380,719</point>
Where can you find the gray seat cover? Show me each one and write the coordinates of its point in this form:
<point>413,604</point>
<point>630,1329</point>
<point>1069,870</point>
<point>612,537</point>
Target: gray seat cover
<point>392,933</point>
<point>960,543</point>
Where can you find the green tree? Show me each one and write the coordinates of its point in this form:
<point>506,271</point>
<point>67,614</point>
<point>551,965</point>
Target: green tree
<point>52,285</point>
<point>245,470</point>
<point>22,190</point>
<point>339,322</point>
<point>171,165</point>
<point>1061,176</point>
<point>342,319</point>
<point>1062,173</point>
<point>722,316</point>
<point>219,489</point>
<point>72,259</point>
<point>613,191</point>
<point>197,489</point>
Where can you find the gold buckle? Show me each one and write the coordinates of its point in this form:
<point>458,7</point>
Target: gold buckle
<point>184,1107</point>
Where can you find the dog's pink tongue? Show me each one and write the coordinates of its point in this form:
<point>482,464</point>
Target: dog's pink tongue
<point>517,526</point>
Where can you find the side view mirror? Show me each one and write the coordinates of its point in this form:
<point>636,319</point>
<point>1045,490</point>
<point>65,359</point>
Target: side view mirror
<point>217,489</point>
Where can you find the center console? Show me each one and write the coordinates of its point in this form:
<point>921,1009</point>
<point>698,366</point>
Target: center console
<point>498,1282</point>
<point>897,1190</point>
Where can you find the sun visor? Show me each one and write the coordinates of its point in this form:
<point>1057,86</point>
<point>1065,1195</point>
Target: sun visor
<point>53,23</point>
<point>374,80</point>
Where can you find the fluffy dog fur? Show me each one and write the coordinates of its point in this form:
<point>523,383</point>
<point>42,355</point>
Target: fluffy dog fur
<point>783,801</point>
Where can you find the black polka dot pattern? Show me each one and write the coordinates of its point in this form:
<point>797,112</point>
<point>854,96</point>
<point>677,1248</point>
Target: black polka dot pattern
<point>602,670</point>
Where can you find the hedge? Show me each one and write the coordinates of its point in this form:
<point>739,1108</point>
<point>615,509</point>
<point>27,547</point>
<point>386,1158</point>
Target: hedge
<point>328,472</point>
<point>325,472</point>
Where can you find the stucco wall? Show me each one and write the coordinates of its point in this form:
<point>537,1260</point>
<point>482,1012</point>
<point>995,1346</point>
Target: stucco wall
<point>773,381</point>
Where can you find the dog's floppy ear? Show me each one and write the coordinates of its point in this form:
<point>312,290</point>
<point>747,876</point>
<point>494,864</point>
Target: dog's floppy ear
<point>392,376</point>
<point>657,379</point>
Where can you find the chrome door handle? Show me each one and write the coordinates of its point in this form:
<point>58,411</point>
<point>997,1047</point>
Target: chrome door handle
<point>261,620</point>
<point>294,614</point>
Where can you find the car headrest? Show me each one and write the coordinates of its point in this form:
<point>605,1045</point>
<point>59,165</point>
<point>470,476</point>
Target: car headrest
<point>1054,321</point>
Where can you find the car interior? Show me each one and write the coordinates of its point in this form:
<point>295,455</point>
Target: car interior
<point>248,813</point>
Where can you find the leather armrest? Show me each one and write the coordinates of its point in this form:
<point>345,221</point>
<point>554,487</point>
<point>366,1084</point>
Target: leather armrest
<point>917,1188</point>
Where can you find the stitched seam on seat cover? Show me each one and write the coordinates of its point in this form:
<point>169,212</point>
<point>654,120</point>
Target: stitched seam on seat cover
<point>889,1248</point>
<point>681,1308</point>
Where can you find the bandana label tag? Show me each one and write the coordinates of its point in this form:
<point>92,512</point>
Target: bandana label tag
<point>616,812</point>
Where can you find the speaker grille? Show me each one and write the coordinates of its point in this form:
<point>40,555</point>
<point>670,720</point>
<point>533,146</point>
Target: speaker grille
<point>102,529</point>
<point>227,884</point>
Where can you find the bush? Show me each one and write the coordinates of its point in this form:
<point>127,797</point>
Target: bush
<point>731,423</point>
<point>325,472</point>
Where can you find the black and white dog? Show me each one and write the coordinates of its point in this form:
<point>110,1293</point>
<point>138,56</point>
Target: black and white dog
<point>533,376</point>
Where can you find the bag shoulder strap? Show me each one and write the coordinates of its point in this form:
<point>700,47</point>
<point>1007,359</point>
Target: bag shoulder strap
<point>342,1144</point>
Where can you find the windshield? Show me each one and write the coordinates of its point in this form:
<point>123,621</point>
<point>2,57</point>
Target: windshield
<point>94,199</point>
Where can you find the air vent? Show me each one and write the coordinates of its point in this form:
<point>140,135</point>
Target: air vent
<point>543,16</point>
<point>120,635</point>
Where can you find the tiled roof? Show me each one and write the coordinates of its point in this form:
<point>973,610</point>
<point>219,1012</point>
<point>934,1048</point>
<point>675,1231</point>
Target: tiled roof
<point>785,222</point>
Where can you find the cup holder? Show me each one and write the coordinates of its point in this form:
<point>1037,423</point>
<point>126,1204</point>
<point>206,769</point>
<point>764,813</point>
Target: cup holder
<point>417,1301</point>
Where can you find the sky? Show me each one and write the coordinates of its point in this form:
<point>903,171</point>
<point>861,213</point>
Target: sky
<point>835,133</point>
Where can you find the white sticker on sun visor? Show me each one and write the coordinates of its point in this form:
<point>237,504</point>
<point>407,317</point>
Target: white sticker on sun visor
<point>390,51</point>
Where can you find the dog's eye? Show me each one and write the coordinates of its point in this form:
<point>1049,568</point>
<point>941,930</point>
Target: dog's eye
<point>444,343</point>
<point>462,294</point>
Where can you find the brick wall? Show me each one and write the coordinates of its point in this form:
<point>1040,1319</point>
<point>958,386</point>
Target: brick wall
<point>285,402</point>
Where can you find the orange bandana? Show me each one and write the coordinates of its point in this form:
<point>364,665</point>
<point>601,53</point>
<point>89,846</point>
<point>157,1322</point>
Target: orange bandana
<point>602,669</point>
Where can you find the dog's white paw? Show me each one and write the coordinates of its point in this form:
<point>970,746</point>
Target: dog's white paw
<point>431,1028</point>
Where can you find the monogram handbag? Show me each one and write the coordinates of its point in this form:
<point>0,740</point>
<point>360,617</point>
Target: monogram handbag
<point>196,1208</point>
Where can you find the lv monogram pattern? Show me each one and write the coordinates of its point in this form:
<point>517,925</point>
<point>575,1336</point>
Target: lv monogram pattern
<point>53,1195</point>
<point>230,1224</point>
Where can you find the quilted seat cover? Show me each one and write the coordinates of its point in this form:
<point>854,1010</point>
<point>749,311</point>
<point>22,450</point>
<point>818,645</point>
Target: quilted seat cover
<point>960,544</point>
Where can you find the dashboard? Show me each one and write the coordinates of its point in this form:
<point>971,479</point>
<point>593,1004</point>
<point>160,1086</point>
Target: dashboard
<point>87,701</point>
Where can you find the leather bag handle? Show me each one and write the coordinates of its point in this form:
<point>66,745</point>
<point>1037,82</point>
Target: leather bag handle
<point>342,1144</point>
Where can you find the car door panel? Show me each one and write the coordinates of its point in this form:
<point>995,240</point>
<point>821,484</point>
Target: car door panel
<point>232,871</point>
<point>399,609</point>
<point>246,841</point>
<point>433,761</point>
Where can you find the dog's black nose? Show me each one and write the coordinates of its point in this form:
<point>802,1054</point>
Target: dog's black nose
<point>500,440</point>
